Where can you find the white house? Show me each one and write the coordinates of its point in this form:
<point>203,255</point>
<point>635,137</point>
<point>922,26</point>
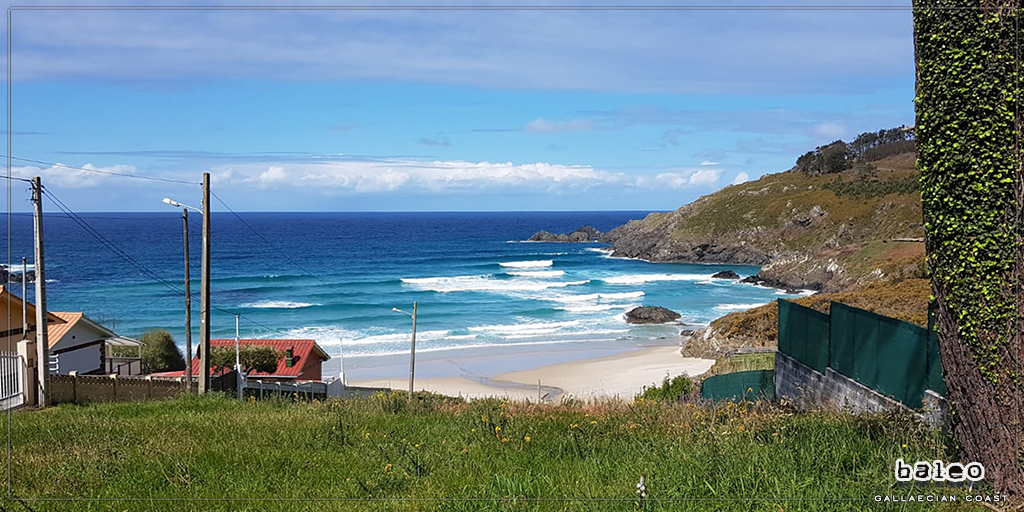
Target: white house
<point>83,345</point>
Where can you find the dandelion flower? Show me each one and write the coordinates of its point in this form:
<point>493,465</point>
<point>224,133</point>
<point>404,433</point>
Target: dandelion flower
<point>497,428</point>
<point>593,422</point>
<point>904,445</point>
<point>527,439</point>
<point>504,440</point>
<point>387,468</point>
<point>574,425</point>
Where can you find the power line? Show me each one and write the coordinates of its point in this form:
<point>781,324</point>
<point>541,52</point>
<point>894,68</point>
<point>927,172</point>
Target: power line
<point>13,178</point>
<point>100,171</point>
<point>107,243</point>
<point>139,266</point>
<point>274,247</point>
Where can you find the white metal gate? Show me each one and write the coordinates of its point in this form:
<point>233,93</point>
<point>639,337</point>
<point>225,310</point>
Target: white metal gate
<point>12,369</point>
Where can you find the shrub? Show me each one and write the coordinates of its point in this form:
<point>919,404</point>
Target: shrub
<point>159,353</point>
<point>669,391</point>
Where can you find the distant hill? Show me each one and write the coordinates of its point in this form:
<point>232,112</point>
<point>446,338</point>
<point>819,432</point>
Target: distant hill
<point>824,230</point>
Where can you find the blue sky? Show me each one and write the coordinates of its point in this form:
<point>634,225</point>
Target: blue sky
<point>442,110</point>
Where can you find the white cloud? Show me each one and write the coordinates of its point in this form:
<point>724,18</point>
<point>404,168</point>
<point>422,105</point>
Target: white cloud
<point>541,125</point>
<point>274,174</point>
<point>708,162</point>
<point>414,175</point>
<point>87,176</point>
<point>741,177</point>
<point>705,177</point>
<point>678,180</point>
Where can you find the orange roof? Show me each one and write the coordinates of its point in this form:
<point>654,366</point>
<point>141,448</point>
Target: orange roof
<point>51,319</point>
<point>301,350</point>
<point>55,332</point>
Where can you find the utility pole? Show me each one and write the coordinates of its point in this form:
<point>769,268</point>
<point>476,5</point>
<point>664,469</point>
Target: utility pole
<point>42,340</point>
<point>188,311</point>
<point>204,306</point>
<point>24,298</point>
<point>412,353</point>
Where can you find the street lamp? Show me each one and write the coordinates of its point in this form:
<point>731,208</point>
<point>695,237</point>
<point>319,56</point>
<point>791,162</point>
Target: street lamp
<point>204,349</point>
<point>412,352</point>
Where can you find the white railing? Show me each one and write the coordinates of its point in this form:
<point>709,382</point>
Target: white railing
<point>12,370</point>
<point>261,389</point>
<point>54,364</point>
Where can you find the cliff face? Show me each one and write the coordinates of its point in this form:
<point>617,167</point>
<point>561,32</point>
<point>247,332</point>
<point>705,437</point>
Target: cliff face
<point>826,232</point>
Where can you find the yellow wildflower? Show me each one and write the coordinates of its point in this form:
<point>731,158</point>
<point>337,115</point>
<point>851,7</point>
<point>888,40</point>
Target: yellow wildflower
<point>504,440</point>
<point>527,439</point>
<point>472,430</point>
<point>904,445</point>
<point>574,425</point>
<point>593,422</point>
<point>387,468</point>
<point>497,428</point>
<point>367,435</point>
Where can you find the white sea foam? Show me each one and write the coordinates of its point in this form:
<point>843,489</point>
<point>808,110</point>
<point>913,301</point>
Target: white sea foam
<point>799,293</point>
<point>649,278</point>
<point>277,304</point>
<point>739,307</point>
<point>527,264</point>
<point>538,273</point>
<point>596,296</point>
<point>592,308</point>
<point>532,328</point>
<point>485,283</point>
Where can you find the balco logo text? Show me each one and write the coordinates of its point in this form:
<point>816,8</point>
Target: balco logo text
<point>939,471</point>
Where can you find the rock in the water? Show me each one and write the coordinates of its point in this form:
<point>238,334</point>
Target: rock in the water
<point>754,279</point>
<point>582,234</point>
<point>687,332</point>
<point>792,291</point>
<point>726,274</point>
<point>651,315</point>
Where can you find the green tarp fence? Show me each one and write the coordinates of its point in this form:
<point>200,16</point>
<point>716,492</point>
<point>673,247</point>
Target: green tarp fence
<point>750,385</point>
<point>882,353</point>
<point>804,334</point>
<point>896,358</point>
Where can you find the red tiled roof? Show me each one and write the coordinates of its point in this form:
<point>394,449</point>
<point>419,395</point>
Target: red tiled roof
<point>301,350</point>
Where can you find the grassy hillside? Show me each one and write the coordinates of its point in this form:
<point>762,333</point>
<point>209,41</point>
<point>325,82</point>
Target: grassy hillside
<point>210,453</point>
<point>825,232</point>
<point>905,299</point>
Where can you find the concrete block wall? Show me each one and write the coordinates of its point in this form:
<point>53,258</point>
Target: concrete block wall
<point>808,388</point>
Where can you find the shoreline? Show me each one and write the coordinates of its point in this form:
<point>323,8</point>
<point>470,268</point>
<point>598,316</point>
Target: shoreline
<point>604,370</point>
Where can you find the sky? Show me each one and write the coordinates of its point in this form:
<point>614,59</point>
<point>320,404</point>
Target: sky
<point>440,110</point>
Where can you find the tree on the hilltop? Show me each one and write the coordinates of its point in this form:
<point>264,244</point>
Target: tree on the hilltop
<point>968,137</point>
<point>159,353</point>
<point>253,358</point>
<point>827,159</point>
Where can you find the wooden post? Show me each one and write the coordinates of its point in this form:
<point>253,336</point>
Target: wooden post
<point>204,321</point>
<point>42,339</point>
<point>188,310</point>
<point>74,387</point>
<point>149,387</point>
<point>412,352</point>
<point>113,376</point>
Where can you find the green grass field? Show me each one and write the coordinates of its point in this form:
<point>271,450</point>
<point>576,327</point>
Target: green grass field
<point>437,453</point>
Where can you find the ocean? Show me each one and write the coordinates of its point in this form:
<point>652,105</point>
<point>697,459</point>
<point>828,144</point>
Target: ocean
<point>335,277</point>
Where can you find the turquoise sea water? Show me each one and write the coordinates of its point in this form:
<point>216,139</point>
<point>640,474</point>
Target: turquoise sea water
<point>335,277</point>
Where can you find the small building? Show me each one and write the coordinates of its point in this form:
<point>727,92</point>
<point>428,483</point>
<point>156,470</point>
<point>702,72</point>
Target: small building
<point>300,360</point>
<point>81,344</point>
<point>12,329</point>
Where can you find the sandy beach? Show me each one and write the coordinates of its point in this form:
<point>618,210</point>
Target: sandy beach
<point>619,375</point>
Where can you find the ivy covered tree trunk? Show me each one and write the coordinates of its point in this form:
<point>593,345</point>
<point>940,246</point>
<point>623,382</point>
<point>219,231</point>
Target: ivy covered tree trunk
<point>968,138</point>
